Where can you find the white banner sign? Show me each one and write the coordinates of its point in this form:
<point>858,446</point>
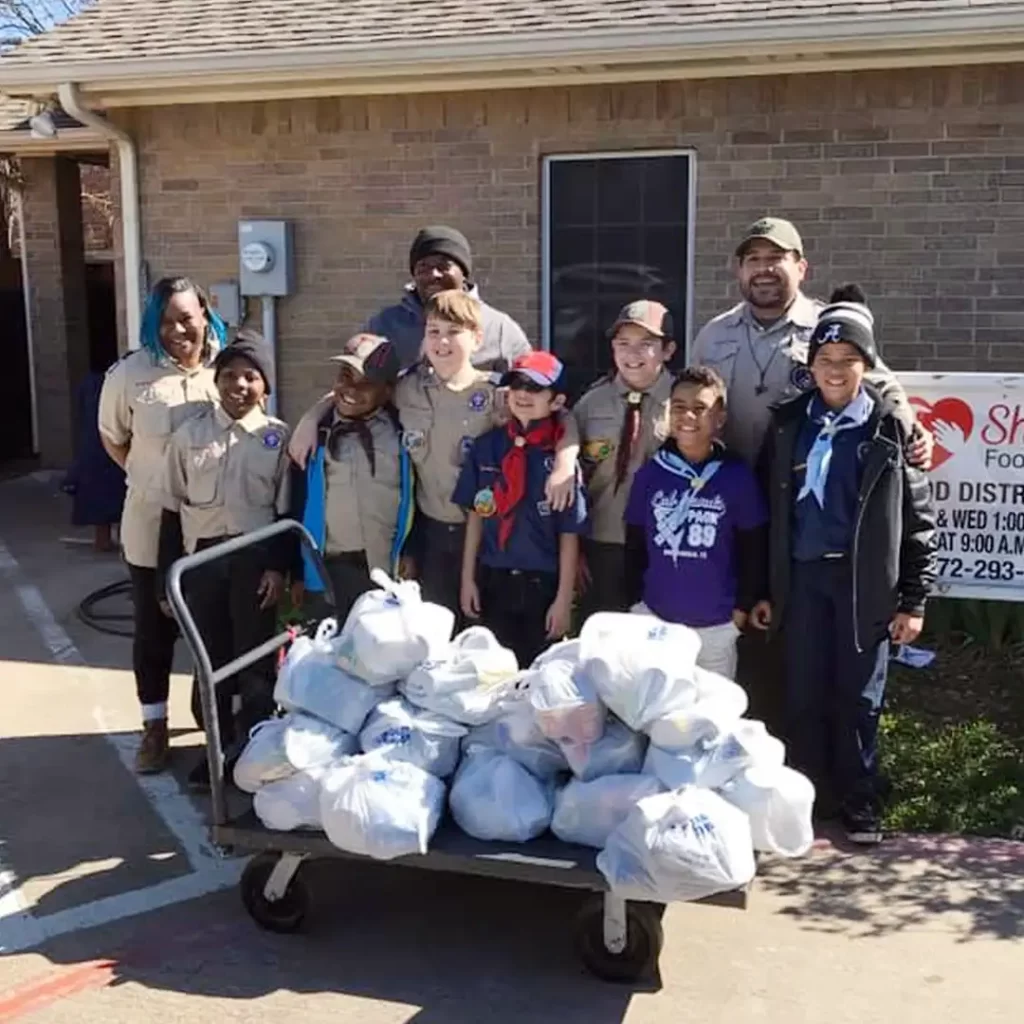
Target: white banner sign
<point>977,479</point>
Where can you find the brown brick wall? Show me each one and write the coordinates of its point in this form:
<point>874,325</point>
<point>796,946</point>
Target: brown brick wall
<point>910,182</point>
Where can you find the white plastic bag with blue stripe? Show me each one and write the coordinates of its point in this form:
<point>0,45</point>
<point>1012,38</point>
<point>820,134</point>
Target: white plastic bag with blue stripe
<point>683,845</point>
<point>400,731</point>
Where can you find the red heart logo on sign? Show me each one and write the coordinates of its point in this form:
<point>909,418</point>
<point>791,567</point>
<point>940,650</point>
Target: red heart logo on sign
<point>946,410</point>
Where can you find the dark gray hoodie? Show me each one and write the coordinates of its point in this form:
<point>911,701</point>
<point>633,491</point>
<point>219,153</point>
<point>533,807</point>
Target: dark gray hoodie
<point>403,325</point>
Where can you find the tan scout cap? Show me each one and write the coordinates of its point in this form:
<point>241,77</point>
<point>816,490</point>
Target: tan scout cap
<point>775,230</point>
<point>646,313</point>
<point>372,356</point>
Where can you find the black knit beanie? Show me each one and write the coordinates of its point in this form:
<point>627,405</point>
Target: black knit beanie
<point>439,238</point>
<point>846,318</point>
<point>250,346</point>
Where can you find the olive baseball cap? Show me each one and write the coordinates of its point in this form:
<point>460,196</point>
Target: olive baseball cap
<point>775,230</point>
<point>372,356</point>
<point>646,313</point>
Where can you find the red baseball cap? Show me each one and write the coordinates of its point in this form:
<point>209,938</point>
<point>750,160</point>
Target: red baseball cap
<point>541,367</point>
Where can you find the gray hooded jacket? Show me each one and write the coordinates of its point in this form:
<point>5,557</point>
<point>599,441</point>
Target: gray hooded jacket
<point>403,325</point>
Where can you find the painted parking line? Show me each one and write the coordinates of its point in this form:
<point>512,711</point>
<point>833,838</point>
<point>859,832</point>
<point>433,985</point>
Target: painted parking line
<point>19,929</point>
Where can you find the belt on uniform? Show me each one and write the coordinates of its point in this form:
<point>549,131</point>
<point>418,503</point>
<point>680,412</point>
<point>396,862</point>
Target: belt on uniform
<point>833,556</point>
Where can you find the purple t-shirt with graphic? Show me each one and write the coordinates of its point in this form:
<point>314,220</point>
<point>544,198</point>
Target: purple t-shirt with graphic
<point>691,534</point>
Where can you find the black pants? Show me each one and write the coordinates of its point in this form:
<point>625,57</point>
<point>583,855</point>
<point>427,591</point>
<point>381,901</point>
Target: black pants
<point>153,642</point>
<point>607,589</point>
<point>439,567</point>
<point>350,578</point>
<point>222,598</point>
<point>514,605</point>
<point>834,693</point>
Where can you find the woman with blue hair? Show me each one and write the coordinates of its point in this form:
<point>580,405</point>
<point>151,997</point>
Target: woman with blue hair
<point>146,396</point>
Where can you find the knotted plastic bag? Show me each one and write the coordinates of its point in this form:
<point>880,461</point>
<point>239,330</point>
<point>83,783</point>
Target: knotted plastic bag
<point>291,803</point>
<point>565,702</point>
<point>516,734</point>
<point>470,683</point>
<point>778,801</point>
<point>381,809</point>
<point>720,704</point>
<point>642,668</point>
<point>618,750</point>
<point>678,846</point>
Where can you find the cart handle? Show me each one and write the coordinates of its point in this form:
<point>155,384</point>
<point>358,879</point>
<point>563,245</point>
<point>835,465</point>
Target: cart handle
<point>207,677</point>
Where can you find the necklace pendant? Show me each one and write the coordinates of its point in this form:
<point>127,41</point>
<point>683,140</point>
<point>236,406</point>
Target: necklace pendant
<point>760,390</point>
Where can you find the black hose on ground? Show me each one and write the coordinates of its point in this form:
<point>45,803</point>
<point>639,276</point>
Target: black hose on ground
<point>111,623</point>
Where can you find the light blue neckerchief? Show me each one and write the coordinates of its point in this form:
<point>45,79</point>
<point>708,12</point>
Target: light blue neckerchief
<point>676,464</point>
<point>819,459</point>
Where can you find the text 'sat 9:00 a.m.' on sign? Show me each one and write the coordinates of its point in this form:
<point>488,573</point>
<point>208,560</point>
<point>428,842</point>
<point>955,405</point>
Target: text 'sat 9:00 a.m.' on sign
<point>977,478</point>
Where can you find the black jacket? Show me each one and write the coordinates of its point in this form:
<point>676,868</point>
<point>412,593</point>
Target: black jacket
<point>894,534</point>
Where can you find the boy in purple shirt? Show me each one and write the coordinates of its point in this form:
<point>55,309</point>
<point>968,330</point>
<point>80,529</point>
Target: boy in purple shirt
<point>697,526</point>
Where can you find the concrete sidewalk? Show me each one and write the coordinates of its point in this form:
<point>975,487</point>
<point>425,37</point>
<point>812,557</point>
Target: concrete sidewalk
<point>137,921</point>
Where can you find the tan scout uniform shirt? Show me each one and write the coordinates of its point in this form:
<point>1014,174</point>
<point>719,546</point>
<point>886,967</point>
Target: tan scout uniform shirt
<point>438,426</point>
<point>361,508</point>
<point>226,476</point>
<point>143,402</point>
<point>599,414</point>
<point>763,366</point>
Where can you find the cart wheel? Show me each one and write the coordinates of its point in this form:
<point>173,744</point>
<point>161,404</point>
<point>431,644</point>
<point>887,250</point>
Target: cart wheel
<point>644,939</point>
<point>283,915</point>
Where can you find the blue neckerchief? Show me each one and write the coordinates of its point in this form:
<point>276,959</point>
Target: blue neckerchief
<point>314,516</point>
<point>675,463</point>
<point>819,459</point>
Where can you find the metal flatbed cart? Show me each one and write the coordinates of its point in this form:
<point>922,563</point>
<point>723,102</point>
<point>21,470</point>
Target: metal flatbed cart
<point>616,939</point>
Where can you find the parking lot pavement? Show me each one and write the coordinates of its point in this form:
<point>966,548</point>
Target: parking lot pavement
<point>114,909</point>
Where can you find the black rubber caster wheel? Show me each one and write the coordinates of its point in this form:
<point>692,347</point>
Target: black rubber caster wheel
<point>284,915</point>
<point>644,939</point>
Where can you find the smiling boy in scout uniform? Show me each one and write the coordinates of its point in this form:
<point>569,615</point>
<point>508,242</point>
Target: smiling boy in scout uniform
<point>520,557</point>
<point>355,495</point>
<point>225,474</point>
<point>622,421</point>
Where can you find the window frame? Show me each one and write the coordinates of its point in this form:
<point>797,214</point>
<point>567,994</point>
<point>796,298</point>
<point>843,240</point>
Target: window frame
<point>548,160</point>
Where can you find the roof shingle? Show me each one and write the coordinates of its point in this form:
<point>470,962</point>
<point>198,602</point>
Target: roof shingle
<point>115,30</point>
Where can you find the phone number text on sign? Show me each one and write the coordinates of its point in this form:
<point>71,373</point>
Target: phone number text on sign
<point>977,477</point>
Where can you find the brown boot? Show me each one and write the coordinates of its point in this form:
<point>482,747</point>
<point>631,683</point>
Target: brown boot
<point>151,757</point>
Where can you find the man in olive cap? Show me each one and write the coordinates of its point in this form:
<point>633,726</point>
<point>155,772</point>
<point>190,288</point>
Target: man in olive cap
<point>440,259</point>
<point>760,345</point>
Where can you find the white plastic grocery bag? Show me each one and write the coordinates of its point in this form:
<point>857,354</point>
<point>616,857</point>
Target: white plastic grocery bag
<point>711,764</point>
<point>390,631</point>
<point>381,809</point>
<point>562,650</point>
<point>311,681</point>
<point>290,803</point>
<point>517,735</point>
<point>642,667</point>
<point>470,683</point>
<point>588,812</point>
<point>400,731</point>
<point>312,743</point>
<point>496,798</point>
<point>779,802</point>
<point>565,702</point>
<point>263,760</point>
<point>683,845</point>
<point>720,704</point>
<point>618,750</point>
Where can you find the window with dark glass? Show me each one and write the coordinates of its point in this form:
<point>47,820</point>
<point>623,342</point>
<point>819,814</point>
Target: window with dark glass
<point>617,228</point>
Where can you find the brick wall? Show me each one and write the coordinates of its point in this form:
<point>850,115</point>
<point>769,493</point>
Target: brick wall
<point>910,182</point>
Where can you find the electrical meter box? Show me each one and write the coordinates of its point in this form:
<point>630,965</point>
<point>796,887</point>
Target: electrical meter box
<point>265,257</point>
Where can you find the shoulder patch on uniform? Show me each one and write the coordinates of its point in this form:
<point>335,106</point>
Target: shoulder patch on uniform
<point>272,438</point>
<point>801,377</point>
<point>478,400</point>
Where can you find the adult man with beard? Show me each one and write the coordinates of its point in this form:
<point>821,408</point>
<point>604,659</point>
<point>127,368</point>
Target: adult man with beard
<point>440,260</point>
<point>760,345</point>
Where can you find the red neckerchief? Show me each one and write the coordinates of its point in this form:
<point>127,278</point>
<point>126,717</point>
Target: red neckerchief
<point>511,488</point>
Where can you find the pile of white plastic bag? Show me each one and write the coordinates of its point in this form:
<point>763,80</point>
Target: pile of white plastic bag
<point>617,741</point>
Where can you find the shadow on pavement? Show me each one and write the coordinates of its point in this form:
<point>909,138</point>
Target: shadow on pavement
<point>460,950</point>
<point>908,882</point>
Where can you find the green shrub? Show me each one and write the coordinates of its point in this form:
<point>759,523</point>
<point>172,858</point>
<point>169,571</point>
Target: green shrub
<point>967,777</point>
